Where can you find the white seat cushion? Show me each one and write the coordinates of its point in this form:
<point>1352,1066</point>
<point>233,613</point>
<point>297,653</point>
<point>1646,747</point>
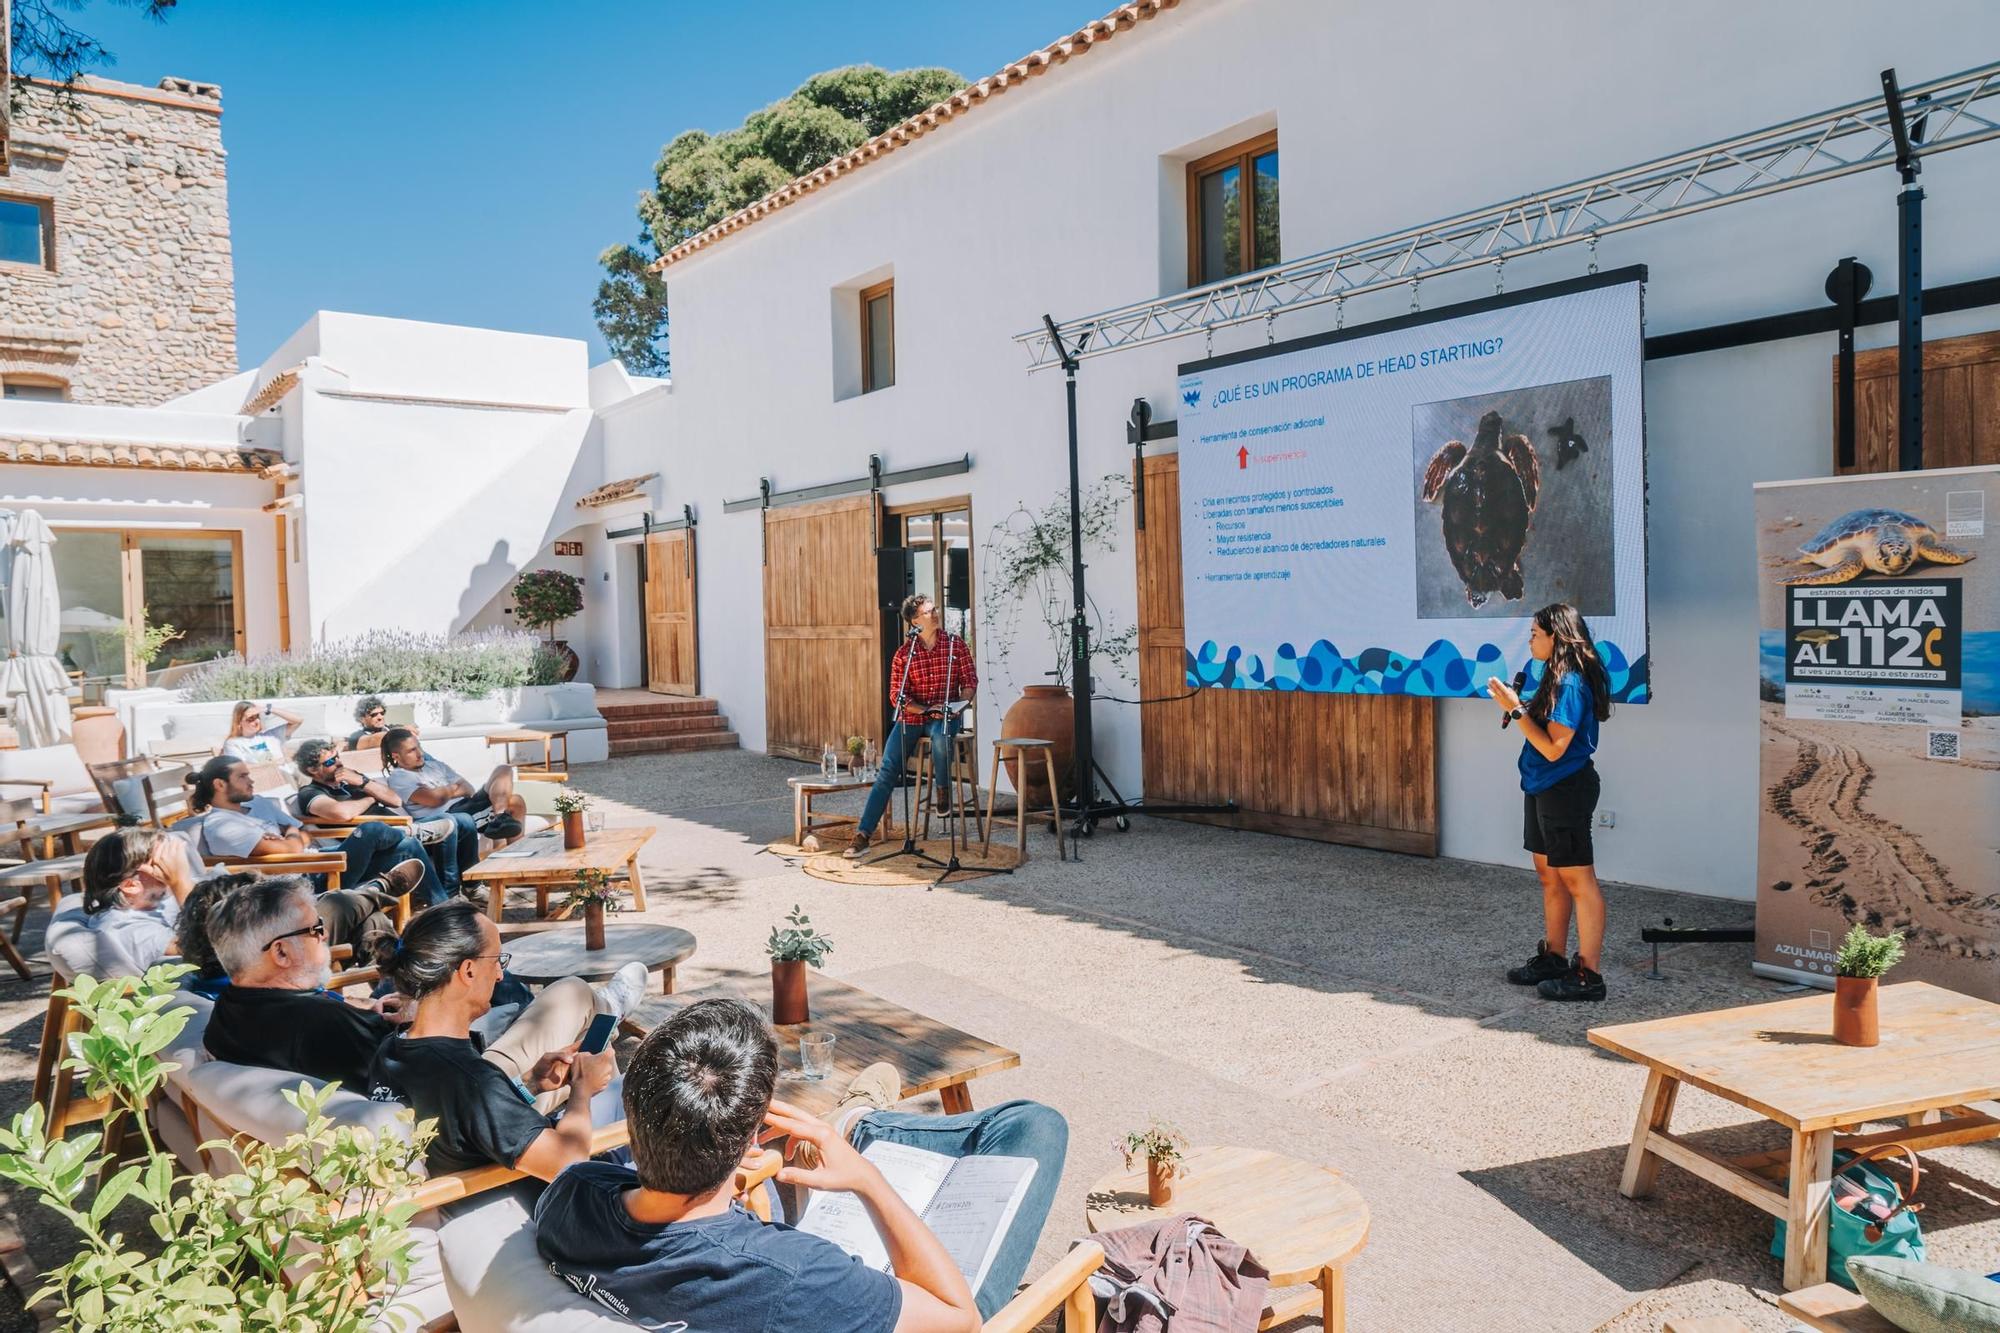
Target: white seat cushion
<point>499,1283</point>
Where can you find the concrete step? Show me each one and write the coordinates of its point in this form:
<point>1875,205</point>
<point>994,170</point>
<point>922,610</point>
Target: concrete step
<point>681,744</point>
<point>664,705</point>
<point>628,728</point>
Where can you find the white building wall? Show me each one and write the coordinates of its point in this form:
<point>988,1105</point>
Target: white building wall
<point>1064,196</point>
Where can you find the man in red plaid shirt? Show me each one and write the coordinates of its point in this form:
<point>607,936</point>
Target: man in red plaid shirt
<point>918,676</point>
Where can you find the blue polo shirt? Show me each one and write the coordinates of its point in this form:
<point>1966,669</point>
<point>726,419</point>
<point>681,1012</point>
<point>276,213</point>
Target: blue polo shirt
<point>1575,708</point>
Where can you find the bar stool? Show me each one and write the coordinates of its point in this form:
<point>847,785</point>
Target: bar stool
<point>1023,753</point>
<point>964,768</point>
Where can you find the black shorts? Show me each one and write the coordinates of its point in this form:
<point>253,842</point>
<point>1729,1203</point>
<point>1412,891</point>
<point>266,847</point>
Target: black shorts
<point>1556,822</point>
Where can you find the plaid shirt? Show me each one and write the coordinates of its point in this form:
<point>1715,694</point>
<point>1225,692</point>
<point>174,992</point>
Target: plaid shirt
<point>927,668</point>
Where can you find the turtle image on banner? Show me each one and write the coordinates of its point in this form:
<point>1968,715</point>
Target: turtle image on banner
<point>1879,690</point>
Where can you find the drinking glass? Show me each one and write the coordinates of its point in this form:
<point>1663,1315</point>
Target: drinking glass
<point>870,760</point>
<point>593,820</point>
<point>815,1056</point>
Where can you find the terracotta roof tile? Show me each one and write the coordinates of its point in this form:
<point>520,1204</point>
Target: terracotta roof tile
<point>272,392</point>
<point>66,451</point>
<point>613,491</point>
<point>1078,43</point>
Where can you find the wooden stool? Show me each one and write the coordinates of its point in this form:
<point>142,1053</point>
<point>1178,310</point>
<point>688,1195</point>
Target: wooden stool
<point>1024,751</point>
<point>964,768</point>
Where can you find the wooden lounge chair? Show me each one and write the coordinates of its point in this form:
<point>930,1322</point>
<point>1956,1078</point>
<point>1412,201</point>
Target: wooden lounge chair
<point>1832,1308</point>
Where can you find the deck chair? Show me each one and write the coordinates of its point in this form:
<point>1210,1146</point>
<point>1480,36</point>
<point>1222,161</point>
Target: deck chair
<point>23,870</point>
<point>142,788</point>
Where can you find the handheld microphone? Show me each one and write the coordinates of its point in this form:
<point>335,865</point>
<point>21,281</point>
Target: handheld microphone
<point>1520,679</point>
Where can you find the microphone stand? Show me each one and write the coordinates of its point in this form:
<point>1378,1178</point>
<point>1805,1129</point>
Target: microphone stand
<point>910,847</point>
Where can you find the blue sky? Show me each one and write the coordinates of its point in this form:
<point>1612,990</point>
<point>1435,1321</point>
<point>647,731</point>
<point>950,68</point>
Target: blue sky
<point>465,163</point>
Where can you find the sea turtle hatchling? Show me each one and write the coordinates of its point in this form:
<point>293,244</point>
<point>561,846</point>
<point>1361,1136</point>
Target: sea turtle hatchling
<point>1875,541</point>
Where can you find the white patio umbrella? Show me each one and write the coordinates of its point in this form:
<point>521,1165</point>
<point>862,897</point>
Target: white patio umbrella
<point>31,676</point>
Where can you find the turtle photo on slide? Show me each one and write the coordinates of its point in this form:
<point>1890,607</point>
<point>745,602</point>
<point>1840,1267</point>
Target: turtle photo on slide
<point>1873,541</point>
<point>1488,492</point>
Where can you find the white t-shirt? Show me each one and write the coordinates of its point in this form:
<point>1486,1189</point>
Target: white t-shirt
<point>143,937</point>
<point>236,833</point>
<point>435,773</point>
<point>266,747</point>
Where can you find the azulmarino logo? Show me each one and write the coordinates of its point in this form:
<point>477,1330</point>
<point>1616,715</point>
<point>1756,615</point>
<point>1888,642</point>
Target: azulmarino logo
<point>1191,393</point>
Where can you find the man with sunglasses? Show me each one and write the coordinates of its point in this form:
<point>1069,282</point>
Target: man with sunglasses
<point>373,715</point>
<point>334,793</point>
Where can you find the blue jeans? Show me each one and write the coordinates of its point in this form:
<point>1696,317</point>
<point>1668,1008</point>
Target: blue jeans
<point>1011,1129</point>
<point>373,848</point>
<point>457,851</point>
<point>895,753</point>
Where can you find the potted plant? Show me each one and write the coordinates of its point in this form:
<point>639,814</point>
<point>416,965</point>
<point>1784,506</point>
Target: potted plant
<point>857,746</point>
<point>594,896</point>
<point>307,1235</point>
<point>1858,969</point>
<point>570,804</point>
<point>792,946</point>
<point>1164,1147</point>
<point>543,599</point>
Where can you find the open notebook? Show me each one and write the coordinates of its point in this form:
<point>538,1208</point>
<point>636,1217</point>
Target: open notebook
<point>967,1202</point>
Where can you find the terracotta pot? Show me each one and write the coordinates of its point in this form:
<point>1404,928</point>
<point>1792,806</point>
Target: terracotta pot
<point>571,662</point>
<point>1159,1183</point>
<point>98,734</point>
<point>788,992</point>
<point>1854,1018</point>
<point>572,830</point>
<point>1044,712</point>
<point>593,926</point>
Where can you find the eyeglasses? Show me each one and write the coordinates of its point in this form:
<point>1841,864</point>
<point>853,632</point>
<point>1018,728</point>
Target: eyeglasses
<point>503,958</point>
<point>317,930</point>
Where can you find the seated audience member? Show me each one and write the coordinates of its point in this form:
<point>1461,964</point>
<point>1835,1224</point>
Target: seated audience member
<point>135,881</point>
<point>373,715</point>
<point>237,823</point>
<point>499,1106</point>
<point>430,785</point>
<point>210,977</point>
<point>257,733</point>
<point>664,1235</point>
<point>334,793</point>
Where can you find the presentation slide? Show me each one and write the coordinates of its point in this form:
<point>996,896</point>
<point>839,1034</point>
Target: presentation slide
<point>1382,510</point>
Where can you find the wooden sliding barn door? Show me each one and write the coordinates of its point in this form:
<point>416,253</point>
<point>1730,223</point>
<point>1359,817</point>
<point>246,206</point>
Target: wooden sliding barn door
<point>673,659</point>
<point>1350,768</point>
<point>1961,405</point>
<point>822,628</point>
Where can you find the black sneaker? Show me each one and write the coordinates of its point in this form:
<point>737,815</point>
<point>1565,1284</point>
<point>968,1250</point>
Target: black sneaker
<point>501,827</point>
<point>1579,983</point>
<point>1546,965</point>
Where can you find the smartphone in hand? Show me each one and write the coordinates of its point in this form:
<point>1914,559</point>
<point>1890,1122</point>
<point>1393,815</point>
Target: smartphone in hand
<point>598,1035</point>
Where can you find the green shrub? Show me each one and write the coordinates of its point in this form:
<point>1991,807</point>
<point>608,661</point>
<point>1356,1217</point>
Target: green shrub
<point>1865,955</point>
<point>385,662</point>
<point>544,598</point>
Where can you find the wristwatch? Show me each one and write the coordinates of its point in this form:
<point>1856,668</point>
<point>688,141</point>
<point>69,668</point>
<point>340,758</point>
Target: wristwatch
<point>1516,713</point>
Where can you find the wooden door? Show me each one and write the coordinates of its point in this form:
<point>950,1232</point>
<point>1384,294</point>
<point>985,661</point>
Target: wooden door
<point>822,628</point>
<point>1350,768</point>
<point>1961,405</point>
<point>673,658</point>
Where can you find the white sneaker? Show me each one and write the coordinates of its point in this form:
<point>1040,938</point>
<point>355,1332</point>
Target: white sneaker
<point>624,992</point>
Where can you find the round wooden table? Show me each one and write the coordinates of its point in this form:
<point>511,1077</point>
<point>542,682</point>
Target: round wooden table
<point>551,955</point>
<point>1300,1220</point>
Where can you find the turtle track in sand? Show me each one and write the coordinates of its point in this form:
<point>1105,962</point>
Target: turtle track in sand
<point>1857,859</point>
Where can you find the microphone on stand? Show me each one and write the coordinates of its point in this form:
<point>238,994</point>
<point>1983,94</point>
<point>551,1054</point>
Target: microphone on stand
<point>1520,679</point>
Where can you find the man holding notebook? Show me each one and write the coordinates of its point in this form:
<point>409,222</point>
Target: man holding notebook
<point>662,1243</point>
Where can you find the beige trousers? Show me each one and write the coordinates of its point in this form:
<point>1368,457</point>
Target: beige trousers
<point>556,1018</point>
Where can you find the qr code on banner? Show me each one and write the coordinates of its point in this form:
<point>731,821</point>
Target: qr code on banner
<point>1941,744</point>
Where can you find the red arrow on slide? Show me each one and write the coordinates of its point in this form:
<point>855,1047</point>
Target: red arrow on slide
<point>1242,458</point>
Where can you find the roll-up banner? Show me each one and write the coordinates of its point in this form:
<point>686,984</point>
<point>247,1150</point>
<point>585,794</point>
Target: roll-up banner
<point>1879,690</point>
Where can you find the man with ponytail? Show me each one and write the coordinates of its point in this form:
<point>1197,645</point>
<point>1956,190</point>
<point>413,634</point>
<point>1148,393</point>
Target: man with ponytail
<point>1559,786</point>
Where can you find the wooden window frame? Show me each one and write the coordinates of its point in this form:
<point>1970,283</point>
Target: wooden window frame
<point>133,584</point>
<point>48,212</point>
<point>34,381</point>
<point>1243,155</point>
<point>866,295</point>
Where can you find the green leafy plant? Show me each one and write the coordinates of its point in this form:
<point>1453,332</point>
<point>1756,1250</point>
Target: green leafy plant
<point>543,598</point>
<point>145,641</point>
<point>592,886</point>
<point>570,801</point>
<point>1026,564</point>
<point>1865,955</point>
<point>1159,1142</point>
<point>386,662</point>
<point>797,942</point>
<point>856,745</point>
<point>308,1235</point>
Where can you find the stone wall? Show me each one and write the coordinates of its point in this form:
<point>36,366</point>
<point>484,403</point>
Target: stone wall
<point>141,303</point>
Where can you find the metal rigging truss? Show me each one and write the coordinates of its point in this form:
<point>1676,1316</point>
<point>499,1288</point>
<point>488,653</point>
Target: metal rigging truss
<point>1800,152</point>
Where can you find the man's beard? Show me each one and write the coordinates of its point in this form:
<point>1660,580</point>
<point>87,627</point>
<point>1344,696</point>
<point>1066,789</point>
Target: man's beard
<point>324,977</point>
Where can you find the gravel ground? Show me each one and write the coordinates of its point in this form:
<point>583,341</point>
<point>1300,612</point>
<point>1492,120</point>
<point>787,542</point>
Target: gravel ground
<point>1339,986</point>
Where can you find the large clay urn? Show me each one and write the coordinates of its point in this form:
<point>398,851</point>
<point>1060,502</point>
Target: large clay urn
<point>98,735</point>
<point>1854,1016</point>
<point>1043,712</point>
<point>571,662</point>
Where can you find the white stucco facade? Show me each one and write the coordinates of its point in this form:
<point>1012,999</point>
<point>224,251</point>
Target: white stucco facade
<point>1066,196</point>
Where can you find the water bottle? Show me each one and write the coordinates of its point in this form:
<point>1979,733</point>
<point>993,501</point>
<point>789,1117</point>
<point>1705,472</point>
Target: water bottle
<point>829,763</point>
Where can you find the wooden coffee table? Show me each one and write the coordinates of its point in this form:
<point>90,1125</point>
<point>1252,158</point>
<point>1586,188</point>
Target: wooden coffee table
<point>551,955</point>
<point>539,862</point>
<point>1940,1050</point>
<point>931,1056</point>
<point>553,765</point>
<point>1302,1221</point>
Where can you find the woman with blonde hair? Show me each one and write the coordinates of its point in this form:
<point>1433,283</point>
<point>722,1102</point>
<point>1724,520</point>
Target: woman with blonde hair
<point>1570,695</point>
<point>257,733</point>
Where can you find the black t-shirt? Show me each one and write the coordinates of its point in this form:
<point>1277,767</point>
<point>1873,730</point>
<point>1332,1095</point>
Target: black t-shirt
<point>339,791</point>
<point>308,1032</point>
<point>483,1116</point>
<point>354,737</point>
